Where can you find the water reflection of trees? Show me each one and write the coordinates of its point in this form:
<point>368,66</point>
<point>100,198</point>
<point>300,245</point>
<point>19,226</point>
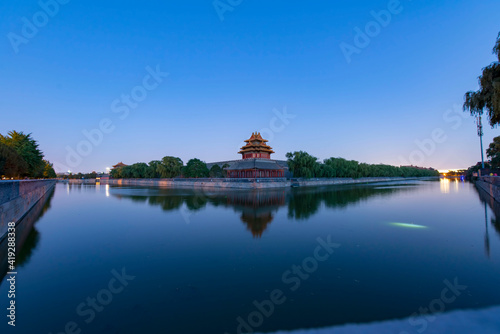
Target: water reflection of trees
<point>27,236</point>
<point>257,208</point>
<point>304,203</point>
<point>494,221</point>
<point>494,206</point>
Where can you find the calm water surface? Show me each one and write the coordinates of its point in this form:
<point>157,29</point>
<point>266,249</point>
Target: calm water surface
<point>201,259</point>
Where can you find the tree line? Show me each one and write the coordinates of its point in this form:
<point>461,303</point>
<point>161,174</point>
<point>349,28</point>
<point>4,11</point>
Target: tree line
<point>302,164</point>
<point>21,157</point>
<point>169,167</point>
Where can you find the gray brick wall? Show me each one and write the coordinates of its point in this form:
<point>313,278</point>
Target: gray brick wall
<point>18,197</point>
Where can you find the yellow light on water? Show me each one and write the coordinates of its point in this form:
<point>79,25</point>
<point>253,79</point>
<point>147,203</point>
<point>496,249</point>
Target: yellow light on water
<point>408,225</point>
<point>444,186</point>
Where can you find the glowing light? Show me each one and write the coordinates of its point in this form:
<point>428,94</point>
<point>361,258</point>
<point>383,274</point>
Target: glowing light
<point>408,225</point>
<point>107,190</point>
<point>444,186</point>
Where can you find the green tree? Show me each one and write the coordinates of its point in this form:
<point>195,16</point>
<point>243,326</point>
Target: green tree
<point>11,163</point>
<point>325,170</point>
<point>493,152</point>
<point>170,167</point>
<point>153,169</point>
<point>116,173</point>
<point>139,170</point>
<point>48,170</point>
<point>343,168</point>
<point>301,164</point>
<point>215,171</point>
<point>195,168</point>
<point>487,98</point>
<point>28,149</point>
<point>126,172</point>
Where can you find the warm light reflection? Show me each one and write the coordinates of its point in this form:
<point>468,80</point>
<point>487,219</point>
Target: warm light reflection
<point>67,188</point>
<point>444,186</point>
<point>107,190</point>
<point>408,225</point>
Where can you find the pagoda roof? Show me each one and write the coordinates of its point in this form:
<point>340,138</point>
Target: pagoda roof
<point>256,144</point>
<point>120,164</point>
<point>256,136</point>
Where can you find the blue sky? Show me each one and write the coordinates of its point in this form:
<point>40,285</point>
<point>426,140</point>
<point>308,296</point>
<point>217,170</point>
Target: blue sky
<point>228,78</point>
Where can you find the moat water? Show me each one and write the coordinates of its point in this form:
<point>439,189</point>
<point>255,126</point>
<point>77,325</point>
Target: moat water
<point>104,259</point>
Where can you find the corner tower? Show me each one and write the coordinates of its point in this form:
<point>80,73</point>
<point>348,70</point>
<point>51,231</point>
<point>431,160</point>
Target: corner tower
<point>256,147</point>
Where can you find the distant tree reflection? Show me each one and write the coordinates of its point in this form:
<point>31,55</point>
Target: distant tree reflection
<point>304,203</point>
<point>257,208</point>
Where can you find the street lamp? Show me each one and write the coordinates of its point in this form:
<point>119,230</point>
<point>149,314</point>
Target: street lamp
<point>480,134</point>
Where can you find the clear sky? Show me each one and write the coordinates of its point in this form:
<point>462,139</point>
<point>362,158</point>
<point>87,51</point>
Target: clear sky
<point>235,67</point>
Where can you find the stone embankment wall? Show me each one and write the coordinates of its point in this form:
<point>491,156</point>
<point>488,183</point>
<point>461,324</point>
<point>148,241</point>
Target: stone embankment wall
<point>339,181</point>
<point>249,183</point>
<point>18,197</point>
<point>490,184</point>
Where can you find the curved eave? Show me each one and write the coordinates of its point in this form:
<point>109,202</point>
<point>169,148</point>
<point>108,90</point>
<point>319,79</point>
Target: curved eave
<point>256,151</point>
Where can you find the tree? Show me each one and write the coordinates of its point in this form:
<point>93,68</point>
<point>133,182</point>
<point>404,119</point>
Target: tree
<point>343,168</point>
<point>301,164</point>
<point>325,171</point>
<point>170,167</point>
<point>139,170</point>
<point>493,152</point>
<point>215,171</point>
<point>195,168</point>
<point>11,163</point>
<point>48,170</point>
<point>116,173</point>
<point>153,169</point>
<point>28,149</point>
<point>126,172</point>
<point>487,98</point>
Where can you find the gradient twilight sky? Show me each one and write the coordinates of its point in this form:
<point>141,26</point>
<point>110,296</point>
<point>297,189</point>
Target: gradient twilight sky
<point>228,78</point>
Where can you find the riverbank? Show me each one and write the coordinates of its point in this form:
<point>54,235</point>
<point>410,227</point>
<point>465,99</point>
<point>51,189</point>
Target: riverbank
<point>18,197</point>
<point>249,183</point>
<point>490,184</point>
